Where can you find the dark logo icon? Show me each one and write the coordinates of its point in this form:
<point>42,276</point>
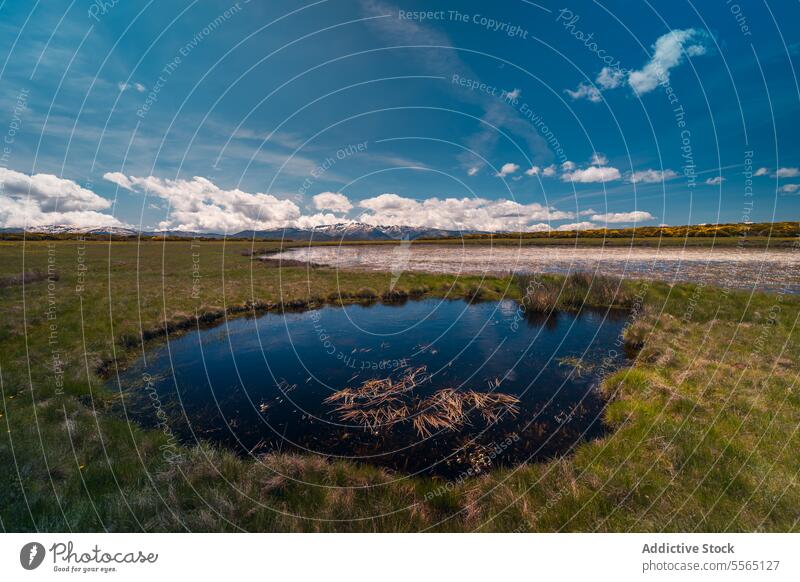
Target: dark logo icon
<point>31,555</point>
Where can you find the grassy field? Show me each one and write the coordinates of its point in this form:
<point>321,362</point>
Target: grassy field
<point>705,424</point>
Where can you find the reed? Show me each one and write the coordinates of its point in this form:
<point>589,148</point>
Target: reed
<point>378,404</point>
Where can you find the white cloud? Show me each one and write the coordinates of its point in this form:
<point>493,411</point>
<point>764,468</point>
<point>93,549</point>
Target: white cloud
<point>609,78</point>
<point>507,170</point>
<point>458,213</point>
<point>511,95</point>
<point>318,219</point>
<point>549,171</point>
<point>651,176</point>
<point>16,213</point>
<point>568,166</point>
<point>578,226</point>
<point>599,159</point>
<point>668,52</point>
<point>533,171</point>
<point>790,188</point>
<point>787,172</point>
<point>125,86</point>
<point>592,174</point>
<point>333,201</point>
<point>472,171</point>
<point>540,227</point>
<point>761,172</point>
<point>615,217</point>
<point>715,181</point>
<point>50,192</point>
<point>119,179</point>
<point>585,91</point>
<point>587,212</point>
<point>45,199</point>
<point>200,205</point>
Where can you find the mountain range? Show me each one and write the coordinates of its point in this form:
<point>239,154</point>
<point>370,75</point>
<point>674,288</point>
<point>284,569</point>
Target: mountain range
<point>346,231</point>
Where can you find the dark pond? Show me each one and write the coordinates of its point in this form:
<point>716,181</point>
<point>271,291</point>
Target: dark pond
<point>259,384</point>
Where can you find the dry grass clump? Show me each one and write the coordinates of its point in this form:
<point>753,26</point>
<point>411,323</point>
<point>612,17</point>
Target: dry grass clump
<point>380,403</point>
<point>543,294</point>
<point>450,409</point>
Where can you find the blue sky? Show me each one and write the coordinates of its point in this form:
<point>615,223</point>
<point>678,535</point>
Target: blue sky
<point>224,116</point>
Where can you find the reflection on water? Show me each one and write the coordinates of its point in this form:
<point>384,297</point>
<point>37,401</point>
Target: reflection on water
<point>259,385</point>
<point>728,267</point>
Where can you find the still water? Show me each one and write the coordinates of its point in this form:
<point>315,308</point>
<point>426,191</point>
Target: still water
<point>748,269</point>
<point>259,385</point>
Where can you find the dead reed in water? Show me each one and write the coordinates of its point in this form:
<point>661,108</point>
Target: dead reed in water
<point>380,403</point>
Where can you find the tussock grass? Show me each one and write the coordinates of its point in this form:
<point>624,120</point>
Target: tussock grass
<point>544,293</point>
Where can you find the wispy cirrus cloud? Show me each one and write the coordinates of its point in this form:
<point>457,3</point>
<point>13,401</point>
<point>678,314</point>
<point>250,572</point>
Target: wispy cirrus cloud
<point>651,176</point>
<point>438,56</point>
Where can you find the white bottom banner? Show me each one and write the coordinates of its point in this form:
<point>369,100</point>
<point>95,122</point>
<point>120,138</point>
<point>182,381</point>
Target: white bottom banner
<point>390,557</point>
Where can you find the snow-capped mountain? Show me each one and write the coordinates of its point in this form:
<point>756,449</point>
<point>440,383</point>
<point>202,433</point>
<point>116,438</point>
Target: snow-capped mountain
<point>65,229</point>
<point>350,231</point>
<point>344,231</point>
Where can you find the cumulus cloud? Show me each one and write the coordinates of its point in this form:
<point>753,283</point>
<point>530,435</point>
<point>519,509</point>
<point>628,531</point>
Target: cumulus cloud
<point>568,166</point>
<point>200,205</point>
<point>609,78</point>
<point>17,213</point>
<point>787,172</point>
<point>533,171</point>
<point>790,188</point>
<point>45,199</point>
<point>578,226</point>
<point>333,201</point>
<point>507,170</point>
<point>599,159</point>
<point>472,171</point>
<point>592,174</point>
<point>668,52</point>
<point>458,213</point>
<point>547,172</point>
<point>715,181</point>
<point>651,176</point>
<point>50,192</point>
<point>615,217</point>
<point>761,172</point>
<point>585,91</point>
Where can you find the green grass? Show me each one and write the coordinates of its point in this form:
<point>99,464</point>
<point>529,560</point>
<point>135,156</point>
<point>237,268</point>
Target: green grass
<point>705,424</point>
